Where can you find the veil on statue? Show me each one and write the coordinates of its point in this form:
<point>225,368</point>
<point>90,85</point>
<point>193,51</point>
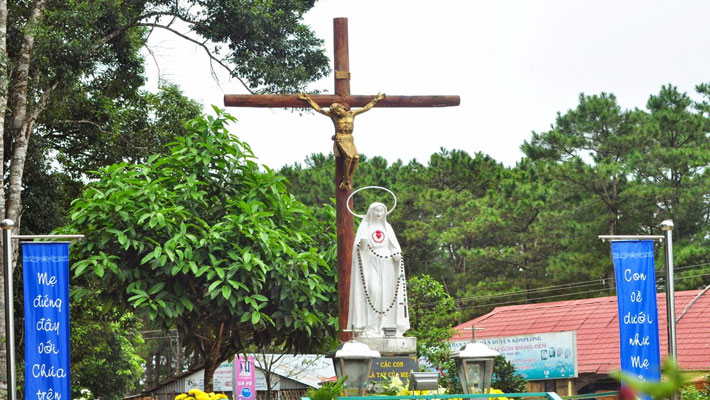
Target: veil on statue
<point>378,289</point>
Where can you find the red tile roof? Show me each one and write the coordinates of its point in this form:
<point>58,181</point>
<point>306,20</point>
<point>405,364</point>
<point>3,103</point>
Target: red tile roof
<point>597,326</point>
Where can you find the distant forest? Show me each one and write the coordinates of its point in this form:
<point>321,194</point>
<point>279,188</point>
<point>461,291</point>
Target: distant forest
<point>497,235</point>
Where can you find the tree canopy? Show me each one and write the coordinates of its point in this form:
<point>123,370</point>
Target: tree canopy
<point>70,79</point>
<point>497,235</point>
<point>203,241</point>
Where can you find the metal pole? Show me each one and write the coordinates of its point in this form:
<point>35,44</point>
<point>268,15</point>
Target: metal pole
<point>7,225</point>
<point>30,237</point>
<point>615,238</point>
<point>667,228</point>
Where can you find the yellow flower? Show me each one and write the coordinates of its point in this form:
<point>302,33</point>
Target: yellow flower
<point>180,396</point>
<point>498,391</point>
<point>221,396</point>
<point>396,382</point>
<point>195,391</point>
<point>202,396</point>
<point>404,392</point>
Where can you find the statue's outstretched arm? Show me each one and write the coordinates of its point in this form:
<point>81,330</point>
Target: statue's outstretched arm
<point>369,105</point>
<point>313,104</point>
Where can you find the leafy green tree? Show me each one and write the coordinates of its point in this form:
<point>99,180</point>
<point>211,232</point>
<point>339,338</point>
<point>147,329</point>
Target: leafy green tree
<point>588,150</point>
<point>511,242</point>
<point>626,170</point>
<point>115,337</point>
<point>691,391</point>
<point>202,241</point>
<point>505,378</point>
<point>676,154</point>
<point>498,235</point>
<point>90,130</point>
<point>59,158</point>
<point>432,313</point>
<point>313,182</point>
<point>57,57</point>
<point>673,179</point>
<point>439,203</point>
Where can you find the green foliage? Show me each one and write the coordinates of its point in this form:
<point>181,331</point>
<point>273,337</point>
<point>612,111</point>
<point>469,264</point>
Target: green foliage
<point>312,183</point>
<point>432,313</point>
<point>587,155</point>
<point>89,129</point>
<point>627,170</point>
<point>48,192</point>
<point>116,339</point>
<point>495,235</point>
<point>673,379</point>
<point>85,71</point>
<point>266,43</point>
<point>328,390</point>
<point>691,392</point>
<point>505,379</point>
<point>398,387</point>
<point>203,241</point>
<point>431,316</point>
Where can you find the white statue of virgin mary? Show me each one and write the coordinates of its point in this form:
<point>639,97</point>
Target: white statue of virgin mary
<point>378,289</point>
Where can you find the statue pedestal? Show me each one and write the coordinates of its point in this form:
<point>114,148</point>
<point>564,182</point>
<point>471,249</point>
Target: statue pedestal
<point>398,358</point>
<point>391,346</point>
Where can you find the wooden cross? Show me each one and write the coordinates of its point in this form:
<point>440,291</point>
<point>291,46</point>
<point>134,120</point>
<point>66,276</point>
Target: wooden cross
<point>344,219</point>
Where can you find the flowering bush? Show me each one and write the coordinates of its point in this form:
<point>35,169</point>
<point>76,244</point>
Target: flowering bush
<point>197,394</point>
<point>395,387</point>
<point>498,391</point>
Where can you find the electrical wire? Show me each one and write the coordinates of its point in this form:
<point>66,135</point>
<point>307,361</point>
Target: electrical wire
<point>549,288</point>
<point>527,301</point>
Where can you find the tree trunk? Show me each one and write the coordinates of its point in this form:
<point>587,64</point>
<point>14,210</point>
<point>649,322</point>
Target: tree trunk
<point>22,73</point>
<point>149,381</point>
<point>213,359</point>
<point>267,378</point>
<point>211,365</point>
<point>169,361</point>
<point>20,126</point>
<point>178,356</point>
<point>4,84</point>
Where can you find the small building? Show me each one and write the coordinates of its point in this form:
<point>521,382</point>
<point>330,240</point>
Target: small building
<point>596,326</point>
<point>290,376</point>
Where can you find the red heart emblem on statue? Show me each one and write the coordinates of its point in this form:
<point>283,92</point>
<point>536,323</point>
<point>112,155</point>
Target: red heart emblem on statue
<point>378,236</point>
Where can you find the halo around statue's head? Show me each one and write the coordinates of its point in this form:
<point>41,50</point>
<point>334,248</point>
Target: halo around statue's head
<point>347,202</point>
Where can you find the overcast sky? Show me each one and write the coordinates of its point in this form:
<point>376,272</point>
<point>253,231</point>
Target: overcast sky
<point>515,64</point>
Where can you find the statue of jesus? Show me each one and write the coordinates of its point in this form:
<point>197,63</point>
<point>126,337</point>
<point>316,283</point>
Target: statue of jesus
<point>343,119</point>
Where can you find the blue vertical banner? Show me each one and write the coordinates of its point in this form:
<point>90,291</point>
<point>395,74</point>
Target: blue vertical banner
<point>638,311</point>
<point>45,268</point>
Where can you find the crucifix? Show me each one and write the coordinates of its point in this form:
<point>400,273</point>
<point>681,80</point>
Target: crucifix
<point>344,159</point>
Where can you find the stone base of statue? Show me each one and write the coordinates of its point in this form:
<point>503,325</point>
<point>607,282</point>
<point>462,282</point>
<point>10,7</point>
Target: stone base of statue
<point>398,359</point>
<point>402,346</point>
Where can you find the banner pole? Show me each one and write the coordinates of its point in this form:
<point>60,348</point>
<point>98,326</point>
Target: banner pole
<point>7,225</point>
<point>667,228</point>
